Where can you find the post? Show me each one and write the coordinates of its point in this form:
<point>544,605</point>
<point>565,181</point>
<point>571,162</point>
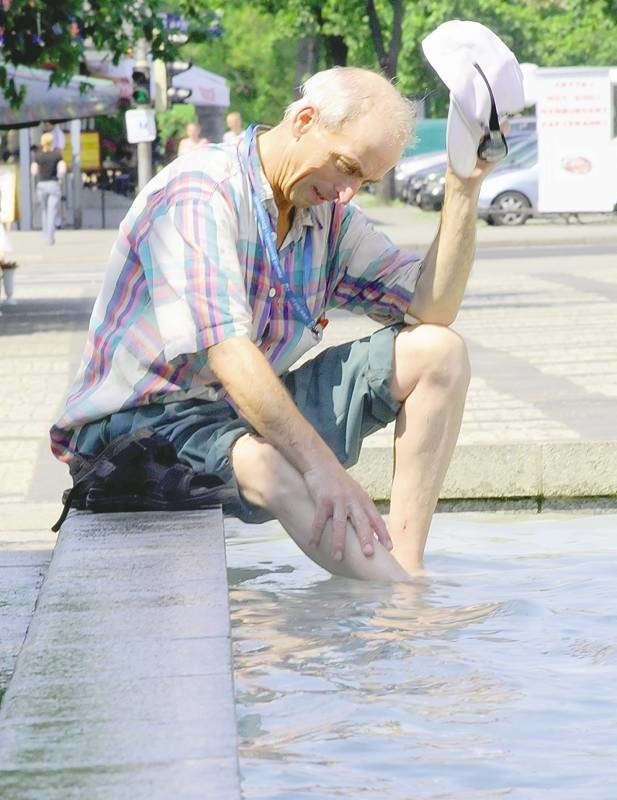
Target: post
<point>144,149</point>
<point>25,181</point>
<point>76,167</point>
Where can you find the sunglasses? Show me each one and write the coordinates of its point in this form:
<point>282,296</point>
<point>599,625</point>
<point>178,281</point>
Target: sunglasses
<point>493,146</point>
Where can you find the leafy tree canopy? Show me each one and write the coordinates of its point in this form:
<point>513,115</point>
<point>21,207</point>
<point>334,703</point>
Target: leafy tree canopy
<point>268,47</point>
<point>55,35</point>
<point>544,32</point>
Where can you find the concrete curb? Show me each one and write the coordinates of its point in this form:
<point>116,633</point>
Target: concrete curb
<point>124,685</point>
<point>508,471</point>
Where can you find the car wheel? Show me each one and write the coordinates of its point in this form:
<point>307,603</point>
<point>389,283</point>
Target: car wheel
<point>511,208</point>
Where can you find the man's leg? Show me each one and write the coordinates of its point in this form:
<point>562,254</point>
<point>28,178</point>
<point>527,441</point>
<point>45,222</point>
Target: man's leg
<point>52,210</point>
<point>430,375</point>
<point>268,481</point>
<point>430,379</point>
<point>42,198</point>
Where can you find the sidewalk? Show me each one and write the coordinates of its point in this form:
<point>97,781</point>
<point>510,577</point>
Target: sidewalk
<point>408,225</point>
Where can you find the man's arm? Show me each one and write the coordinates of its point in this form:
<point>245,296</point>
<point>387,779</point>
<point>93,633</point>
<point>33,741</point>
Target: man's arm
<point>263,401</point>
<point>446,267</point>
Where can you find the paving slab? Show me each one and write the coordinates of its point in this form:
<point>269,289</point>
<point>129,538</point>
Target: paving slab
<point>124,686</point>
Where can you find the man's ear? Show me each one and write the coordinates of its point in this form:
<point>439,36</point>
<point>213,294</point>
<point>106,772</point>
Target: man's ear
<point>303,120</point>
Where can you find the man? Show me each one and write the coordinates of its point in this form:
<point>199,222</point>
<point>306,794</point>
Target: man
<point>193,139</point>
<point>194,330</point>
<point>235,128</point>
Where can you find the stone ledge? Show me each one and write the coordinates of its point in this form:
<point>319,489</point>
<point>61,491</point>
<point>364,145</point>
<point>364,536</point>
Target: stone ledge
<point>124,684</point>
<point>563,470</point>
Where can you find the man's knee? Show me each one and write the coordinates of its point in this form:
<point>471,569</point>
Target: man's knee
<point>262,473</point>
<point>431,353</point>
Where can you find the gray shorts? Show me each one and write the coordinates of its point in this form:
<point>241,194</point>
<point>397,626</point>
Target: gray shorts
<point>344,392</point>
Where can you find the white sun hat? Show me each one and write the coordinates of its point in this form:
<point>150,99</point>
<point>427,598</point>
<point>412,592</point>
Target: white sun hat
<point>453,50</point>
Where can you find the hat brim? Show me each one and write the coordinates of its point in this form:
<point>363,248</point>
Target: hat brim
<point>462,141</point>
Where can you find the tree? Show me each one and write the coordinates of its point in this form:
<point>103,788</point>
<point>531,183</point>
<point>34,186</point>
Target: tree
<point>55,36</point>
<point>256,59</point>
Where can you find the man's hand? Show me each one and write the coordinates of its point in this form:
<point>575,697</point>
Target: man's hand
<point>446,266</point>
<point>341,500</point>
<point>263,401</point>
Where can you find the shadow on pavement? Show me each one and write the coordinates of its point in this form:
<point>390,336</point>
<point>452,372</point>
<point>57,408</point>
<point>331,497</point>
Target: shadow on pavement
<point>41,315</point>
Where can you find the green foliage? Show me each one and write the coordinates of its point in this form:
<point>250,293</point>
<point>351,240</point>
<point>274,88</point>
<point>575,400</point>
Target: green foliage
<point>171,124</point>
<point>37,33</point>
<point>583,35</point>
<point>256,58</point>
<point>544,32</point>
<point>258,52</point>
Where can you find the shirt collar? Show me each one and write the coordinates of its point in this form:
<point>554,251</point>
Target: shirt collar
<point>303,218</point>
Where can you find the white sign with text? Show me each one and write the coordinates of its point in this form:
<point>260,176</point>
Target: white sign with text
<point>577,147</point>
<point>140,125</point>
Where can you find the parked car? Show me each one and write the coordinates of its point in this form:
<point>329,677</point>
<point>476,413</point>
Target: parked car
<point>502,200</point>
<point>410,165</point>
<point>410,174</point>
<point>410,192</point>
<point>430,195</point>
<point>509,195</point>
<point>521,127</point>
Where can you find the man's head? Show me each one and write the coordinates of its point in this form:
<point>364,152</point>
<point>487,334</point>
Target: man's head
<point>234,122</point>
<point>348,128</point>
<point>193,131</point>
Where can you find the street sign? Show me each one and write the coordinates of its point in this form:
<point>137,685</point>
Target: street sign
<point>140,125</point>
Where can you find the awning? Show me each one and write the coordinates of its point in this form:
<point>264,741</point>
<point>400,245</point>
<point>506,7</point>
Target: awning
<point>208,89</point>
<point>57,103</point>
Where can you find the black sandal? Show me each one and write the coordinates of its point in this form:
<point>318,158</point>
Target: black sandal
<point>140,472</point>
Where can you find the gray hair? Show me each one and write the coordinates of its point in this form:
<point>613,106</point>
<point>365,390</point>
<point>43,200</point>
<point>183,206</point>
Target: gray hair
<point>342,94</point>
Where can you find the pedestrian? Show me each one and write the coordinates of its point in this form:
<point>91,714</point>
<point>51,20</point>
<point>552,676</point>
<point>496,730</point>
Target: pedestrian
<point>59,139</point>
<point>59,143</point>
<point>49,167</point>
<point>193,139</point>
<point>235,128</point>
<point>222,276</point>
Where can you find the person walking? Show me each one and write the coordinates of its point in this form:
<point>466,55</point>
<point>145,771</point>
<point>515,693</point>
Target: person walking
<point>49,168</point>
<point>59,144</point>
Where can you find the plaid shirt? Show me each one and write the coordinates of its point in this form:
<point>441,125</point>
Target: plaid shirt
<point>188,270</point>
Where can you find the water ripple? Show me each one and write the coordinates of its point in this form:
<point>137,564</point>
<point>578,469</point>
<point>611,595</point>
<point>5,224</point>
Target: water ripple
<point>477,683</point>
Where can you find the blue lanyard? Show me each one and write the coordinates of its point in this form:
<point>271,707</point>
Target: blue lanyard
<point>297,302</point>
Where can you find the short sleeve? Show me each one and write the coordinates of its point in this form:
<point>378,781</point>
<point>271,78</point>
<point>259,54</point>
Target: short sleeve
<point>189,255</point>
<point>374,276</point>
